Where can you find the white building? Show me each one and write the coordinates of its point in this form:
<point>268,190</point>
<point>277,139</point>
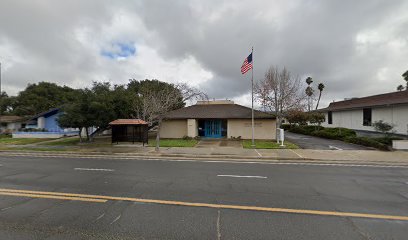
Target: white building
<point>361,113</point>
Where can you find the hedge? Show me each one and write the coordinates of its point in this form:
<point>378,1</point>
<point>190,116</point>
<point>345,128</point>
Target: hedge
<point>343,134</point>
<point>366,141</point>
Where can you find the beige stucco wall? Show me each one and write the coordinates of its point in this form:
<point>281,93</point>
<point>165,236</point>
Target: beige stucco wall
<point>192,128</point>
<point>353,119</point>
<point>264,129</point>
<point>173,129</point>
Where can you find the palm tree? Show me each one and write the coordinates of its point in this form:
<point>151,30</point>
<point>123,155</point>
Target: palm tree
<point>320,87</point>
<point>405,76</point>
<point>309,80</point>
<point>400,88</point>
<point>309,93</point>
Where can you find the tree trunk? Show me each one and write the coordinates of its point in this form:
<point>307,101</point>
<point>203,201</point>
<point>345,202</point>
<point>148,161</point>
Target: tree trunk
<point>87,134</point>
<point>158,136</point>
<point>80,134</point>
<point>318,101</point>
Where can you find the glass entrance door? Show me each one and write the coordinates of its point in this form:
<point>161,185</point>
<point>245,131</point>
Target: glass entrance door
<point>212,128</point>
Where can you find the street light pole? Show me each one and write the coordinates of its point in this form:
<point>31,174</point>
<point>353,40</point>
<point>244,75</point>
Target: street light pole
<point>1,98</point>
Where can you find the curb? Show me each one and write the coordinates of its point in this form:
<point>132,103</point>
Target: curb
<point>205,158</point>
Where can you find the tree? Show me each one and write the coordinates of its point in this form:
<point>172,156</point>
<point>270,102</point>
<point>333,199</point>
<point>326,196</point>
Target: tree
<point>400,88</point>
<point>320,87</point>
<point>41,97</point>
<point>297,116</point>
<point>383,127</point>
<point>143,104</point>
<point>405,76</point>
<point>157,101</point>
<point>76,114</point>
<point>316,118</point>
<point>279,92</point>
<point>96,107</point>
<point>6,103</point>
<point>309,92</point>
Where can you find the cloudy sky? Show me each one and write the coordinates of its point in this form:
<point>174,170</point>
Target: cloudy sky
<point>356,48</point>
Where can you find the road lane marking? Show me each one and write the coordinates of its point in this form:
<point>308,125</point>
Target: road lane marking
<point>218,225</point>
<point>101,216</point>
<point>334,147</point>
<point>102,198</point>
<point>296,153</point>
<point>116,219</point>
<point>258,153</point>
<point>239,176</point>
<point>52,197</point>
<point>94,169</point>
<point>4,209</point>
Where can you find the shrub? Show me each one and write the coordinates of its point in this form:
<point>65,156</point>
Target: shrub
<point>286,126</point>
<point>382,126</point>
<point>307,130</point>
<point>335,133</point>
<point>386,140</point>
<point>187,138</point>
<point>366,141</point>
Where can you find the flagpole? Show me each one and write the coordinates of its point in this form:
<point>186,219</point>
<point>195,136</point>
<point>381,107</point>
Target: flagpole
<point>252,96</point>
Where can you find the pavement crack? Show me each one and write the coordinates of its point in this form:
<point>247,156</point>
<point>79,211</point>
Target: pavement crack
<point>219,225</point>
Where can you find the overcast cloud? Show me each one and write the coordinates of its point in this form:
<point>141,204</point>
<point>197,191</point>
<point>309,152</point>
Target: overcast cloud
<point>356,48</point>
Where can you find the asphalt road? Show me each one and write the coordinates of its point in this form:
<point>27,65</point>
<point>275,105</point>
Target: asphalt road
<point>335,189</point>
<point>312,142</point>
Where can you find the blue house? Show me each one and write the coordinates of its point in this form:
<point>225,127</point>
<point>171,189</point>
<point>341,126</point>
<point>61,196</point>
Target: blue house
<point>45,125</point>
<point>46,120</point>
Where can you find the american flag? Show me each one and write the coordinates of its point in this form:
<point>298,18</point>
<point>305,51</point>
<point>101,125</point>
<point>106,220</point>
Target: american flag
<point>247,65</point>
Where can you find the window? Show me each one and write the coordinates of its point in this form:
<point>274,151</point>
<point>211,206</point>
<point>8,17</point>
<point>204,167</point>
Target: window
<point>367,117</point>
<point>330,117</point>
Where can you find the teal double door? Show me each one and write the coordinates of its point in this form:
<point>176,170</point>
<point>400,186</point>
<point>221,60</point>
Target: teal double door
<point>212,129</point>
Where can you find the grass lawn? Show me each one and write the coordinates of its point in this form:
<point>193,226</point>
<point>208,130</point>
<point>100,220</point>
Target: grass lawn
<point>173,143</point>
<point>21,141</point>
<point>265,144</point>
<point>63,142</point>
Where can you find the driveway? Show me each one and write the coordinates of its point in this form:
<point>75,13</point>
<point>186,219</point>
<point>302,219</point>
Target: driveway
<point>311,142</point>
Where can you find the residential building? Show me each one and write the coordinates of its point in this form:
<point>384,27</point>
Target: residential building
<point>11,123</point>
<point>361,113</point>
<point>45,125</point>
<point>217,119</point>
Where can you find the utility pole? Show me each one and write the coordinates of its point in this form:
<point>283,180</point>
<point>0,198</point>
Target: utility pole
<point>1,98</point>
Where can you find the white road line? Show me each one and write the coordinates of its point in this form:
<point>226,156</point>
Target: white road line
<point>296,153</point>
<point>116,219</point>
<point>238,176</point>
<point>101,216</point>
<point>218,226</point>
<point>4,209</point>
<point>258,153</point>
<point>94,169</point>
<point>334,147</point>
